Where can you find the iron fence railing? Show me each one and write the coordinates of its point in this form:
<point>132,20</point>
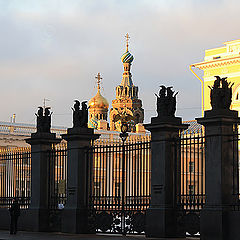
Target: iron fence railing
<point>15,176</point>
<point>111,181</point>
<point>192,171</point>
<point>119,185</point>
<point>57,176</point>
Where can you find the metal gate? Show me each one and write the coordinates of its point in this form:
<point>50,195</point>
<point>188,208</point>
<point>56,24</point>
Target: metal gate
<point>191,198</point>
<point>57,157</point>
<point>119,191</point>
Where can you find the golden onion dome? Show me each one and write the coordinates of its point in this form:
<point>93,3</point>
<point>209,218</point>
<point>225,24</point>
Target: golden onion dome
<point>98,101</point>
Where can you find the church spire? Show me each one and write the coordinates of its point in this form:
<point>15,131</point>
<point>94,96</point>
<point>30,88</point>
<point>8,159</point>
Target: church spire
<point>127,59</point>
<point>126,95</point>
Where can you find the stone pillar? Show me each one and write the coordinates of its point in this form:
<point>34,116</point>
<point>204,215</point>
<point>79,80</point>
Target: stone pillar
<point>75,214</point>
<point>37,219</point>
<point>215,218</point>
<point>161,217</point>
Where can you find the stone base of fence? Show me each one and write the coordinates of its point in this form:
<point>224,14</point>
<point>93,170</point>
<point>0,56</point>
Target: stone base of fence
<point>165,223</point>
<point>161,217</point>
<point>75,213</point>
<point>220,224</point>
<point>25,221</point>
<point>38,220</point>
<point>217,217</point>
<point>77,221</point>
<point>38,212</point>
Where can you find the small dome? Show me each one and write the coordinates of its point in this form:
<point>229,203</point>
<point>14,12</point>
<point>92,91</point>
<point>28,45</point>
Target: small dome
<point>98,101</point>
<point>127,57</point>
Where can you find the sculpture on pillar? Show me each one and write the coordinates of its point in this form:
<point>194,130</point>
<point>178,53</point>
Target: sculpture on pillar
<point>221,94</point>
<point>43,121</point>
<point>80,117</point>
<point>166,102</point>
<point>47,120</point>
<point>40,120</point>
<point>84,119</point>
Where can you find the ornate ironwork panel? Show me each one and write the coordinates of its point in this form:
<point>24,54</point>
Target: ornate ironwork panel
<point>119,191</point>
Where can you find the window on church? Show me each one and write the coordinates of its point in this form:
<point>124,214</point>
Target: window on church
<point>237,96</point>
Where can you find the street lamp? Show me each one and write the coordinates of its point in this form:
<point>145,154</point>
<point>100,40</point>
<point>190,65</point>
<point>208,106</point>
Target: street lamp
<point>123,135</point>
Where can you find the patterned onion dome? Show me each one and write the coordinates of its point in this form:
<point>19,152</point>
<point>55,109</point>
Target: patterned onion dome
<point>93,123</point>
<point>127,57</point>
<point>98,101</point>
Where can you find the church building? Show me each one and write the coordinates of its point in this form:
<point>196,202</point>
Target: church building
<point>126,104</point>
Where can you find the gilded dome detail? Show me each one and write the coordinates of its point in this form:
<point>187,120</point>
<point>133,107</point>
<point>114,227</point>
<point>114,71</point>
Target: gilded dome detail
<point>98,101</point>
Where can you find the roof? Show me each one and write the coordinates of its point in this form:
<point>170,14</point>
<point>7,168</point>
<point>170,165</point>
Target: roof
<point>194,126</point>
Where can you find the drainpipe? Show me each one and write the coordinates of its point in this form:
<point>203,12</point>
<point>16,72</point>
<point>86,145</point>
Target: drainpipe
<point>202,85</point>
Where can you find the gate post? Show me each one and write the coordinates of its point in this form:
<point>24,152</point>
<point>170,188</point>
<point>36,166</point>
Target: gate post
<point>161,217</point>
<point>38,212</point>
<point>75,213</point>
<point>216,222</point>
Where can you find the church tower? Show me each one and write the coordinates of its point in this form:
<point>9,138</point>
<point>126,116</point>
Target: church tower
<point>127,100</point>
<point>98,109</point>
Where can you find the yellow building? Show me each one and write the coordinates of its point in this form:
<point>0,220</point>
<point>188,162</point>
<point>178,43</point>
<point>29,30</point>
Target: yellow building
<point>224,62</point>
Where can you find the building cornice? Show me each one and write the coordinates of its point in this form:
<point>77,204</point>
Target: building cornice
<point>217,63</point>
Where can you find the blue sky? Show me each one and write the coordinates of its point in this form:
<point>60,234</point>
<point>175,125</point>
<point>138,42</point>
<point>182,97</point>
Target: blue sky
<point>54,49</point>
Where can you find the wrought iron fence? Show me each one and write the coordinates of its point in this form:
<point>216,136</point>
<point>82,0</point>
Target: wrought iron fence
<point>192,171</point>
<point>57,176</point>
<point>15,176</point>
<point>119,190</point>
<point>119,179</point>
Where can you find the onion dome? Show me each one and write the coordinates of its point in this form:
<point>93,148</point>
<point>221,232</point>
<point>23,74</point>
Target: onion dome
<point>98,101</point>
<point>127,57</point>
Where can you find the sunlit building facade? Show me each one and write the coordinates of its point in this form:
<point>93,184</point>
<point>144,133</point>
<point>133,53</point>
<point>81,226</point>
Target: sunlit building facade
<point>224,62</point>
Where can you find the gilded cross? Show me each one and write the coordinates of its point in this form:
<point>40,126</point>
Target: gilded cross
<point>127,39</point>
<point>98,77</point>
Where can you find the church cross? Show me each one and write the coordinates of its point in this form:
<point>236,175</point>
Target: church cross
<point>98,77</point>
<point>127,39</point>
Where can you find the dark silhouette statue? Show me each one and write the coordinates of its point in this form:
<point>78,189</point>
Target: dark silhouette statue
<point>43,120</point>
<point>80,117</point>
<point>221,94</point>
<point>14,214</point>
<point>166,102</point>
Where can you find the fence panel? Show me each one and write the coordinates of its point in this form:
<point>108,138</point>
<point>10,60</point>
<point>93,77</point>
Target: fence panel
<point>191,198</point>
<point>119,191</point>
<point>15,176</point>
<point>57,176</point>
